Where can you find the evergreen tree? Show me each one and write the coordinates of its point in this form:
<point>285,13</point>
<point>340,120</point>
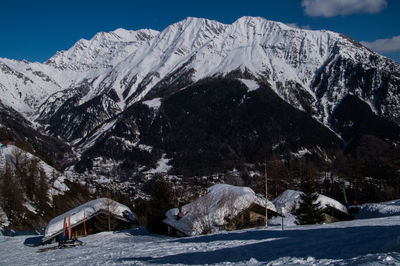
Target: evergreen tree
<point>11,196</point>
<point>160,202</point>
<point>41,191</point>
<point>32,178</point>
<point>310,211</point>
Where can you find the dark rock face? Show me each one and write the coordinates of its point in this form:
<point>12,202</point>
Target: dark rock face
<point>15,127</point>
<point>217,124</point>
<point>375,81</point>
<point>353,117</point>
<point>211,126</point>
<point>73,121</point>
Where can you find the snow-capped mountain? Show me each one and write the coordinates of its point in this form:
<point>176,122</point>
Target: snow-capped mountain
<point>103,51</point>
<point>212,94</point>
<point>28,85</point>
<point>311,70</point>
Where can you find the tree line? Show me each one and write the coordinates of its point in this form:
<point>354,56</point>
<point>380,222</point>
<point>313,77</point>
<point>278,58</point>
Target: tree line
<point>23,181</point>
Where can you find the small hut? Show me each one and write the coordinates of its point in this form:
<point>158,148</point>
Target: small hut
<point>223,207</point>
<point>289,201</point>
<point>92,217</point>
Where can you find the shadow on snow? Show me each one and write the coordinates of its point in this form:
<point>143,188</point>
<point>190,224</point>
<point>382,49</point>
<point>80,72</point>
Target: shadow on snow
<point>324,243</point>
<point>34,241</point>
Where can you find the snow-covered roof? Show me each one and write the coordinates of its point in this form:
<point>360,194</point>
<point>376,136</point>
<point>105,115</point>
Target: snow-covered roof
<point>289,200</point>
<point>55,226</point>
<point>221,202</point>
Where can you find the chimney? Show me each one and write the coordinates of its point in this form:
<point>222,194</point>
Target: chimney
<point>180,213</point>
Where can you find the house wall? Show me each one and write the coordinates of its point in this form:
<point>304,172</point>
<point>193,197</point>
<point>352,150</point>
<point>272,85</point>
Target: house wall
<point>245,219</point>
<point>174,232</point>
<point>330,219</point>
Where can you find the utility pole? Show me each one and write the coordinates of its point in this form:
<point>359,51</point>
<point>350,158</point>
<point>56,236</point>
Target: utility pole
<point>266,193</point>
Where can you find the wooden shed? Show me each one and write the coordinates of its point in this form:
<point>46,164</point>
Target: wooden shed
<point>92,217</point>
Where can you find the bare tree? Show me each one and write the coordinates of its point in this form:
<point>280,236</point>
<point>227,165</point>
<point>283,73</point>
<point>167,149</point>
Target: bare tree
<point>227,202</point>
<point>200,209</point>
<point>110,207</point>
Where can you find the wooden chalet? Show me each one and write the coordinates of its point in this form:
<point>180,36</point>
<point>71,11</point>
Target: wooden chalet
<point>253,216</point>
<point>90,218</point>
<point>224,207</point>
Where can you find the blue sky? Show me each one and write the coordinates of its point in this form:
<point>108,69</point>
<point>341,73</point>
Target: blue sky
<point>35,30</point>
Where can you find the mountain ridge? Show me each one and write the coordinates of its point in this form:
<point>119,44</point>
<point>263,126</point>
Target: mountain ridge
<point>187,39</point>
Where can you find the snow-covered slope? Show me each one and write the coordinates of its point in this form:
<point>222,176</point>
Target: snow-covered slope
<point>24,86</point>
<point>358,242</point>
<point>221,203</point>
<point>55,179</point>
<point>40,187</point>
<point>381,209</point>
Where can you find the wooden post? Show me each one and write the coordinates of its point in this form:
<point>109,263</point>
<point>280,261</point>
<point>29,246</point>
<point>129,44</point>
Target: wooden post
<point>65,226</point>
<point>282,223</point>
<point>109,218</point>
<point>266,193</point>
<point>84,220</point>
<point>69,227</point>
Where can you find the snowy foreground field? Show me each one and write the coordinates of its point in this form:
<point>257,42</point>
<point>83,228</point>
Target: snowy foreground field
<point>373,241</point>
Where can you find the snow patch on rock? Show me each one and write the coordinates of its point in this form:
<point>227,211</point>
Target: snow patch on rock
<point>250,84</point>
<point>162,166</point>
<point>154,103</point>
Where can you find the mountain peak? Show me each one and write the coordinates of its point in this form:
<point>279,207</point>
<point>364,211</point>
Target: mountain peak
<point>104,50</point>
<point>132,35</point>
<point>195,24</point>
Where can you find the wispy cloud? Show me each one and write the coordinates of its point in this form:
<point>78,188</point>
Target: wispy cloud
<point>332,8</point>
<point>295,25</point>
<point>384,45</point>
